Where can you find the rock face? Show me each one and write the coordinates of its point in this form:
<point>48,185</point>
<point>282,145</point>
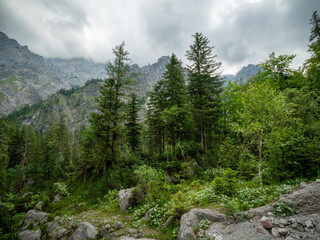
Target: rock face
<point>262,224</point>
<point>24,76</point>
<point>30,235</point>
<point>243,75</point>
<point>126,200</point>
<point>85,231</point>
<point>190,220</point>
<point>35,217</point>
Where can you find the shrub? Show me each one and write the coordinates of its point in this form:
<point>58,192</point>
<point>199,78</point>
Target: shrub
<point>60,188</point>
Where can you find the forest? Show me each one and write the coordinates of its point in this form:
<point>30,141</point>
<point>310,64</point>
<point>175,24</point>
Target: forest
<point>199,143</point>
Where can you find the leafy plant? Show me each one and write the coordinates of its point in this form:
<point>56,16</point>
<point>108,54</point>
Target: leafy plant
<point>282,207</point>
<point>60,188</point>
<point>205,224</point>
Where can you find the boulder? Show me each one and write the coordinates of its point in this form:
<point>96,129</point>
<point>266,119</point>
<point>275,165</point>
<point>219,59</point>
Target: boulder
<point>85,231</point>
<point>126,199</point>
<point>262,230</point>
<point>38,206</point>
<point>35,217</point>
<point>30,235</point>
<point>266,222</point>
<point>305,199</point>
<point>190,220</point>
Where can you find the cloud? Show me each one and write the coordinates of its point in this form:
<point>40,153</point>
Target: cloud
<point>242,31</point>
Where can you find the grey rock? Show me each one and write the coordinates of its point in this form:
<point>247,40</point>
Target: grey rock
<point>85,231</point>
<point>62,233</point>
<point>309,224</point>
<point>35,217</point>
<point>283,222</point>
<point>120,225</point>
<point>275,232</point>
<point>38,206</point>
<point>125,198</point>
<point>57,198</point>
<point>266,222</point>
<point>298,226</point>
<point>262,230</point>
<point>305,199</point>
<point>303,185</point>
<point>190,220</point>
<point>318,181</point>
<point>292,220</point>
<point>107,226</point>
<point>30,235</point>
<point>283,231</point>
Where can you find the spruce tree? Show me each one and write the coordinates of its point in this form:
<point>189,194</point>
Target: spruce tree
<point>133,127</point>
<point>315,31</point>
<point>204,86</point>
<point>106,122</point>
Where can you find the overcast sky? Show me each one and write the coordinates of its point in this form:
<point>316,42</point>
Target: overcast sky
<point>242,31</point>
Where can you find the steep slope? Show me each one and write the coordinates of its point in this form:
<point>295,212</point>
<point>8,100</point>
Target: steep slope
<point>76,71</point>
<point>24,76</point>
<point>74,105</point>
<point>243,74</point>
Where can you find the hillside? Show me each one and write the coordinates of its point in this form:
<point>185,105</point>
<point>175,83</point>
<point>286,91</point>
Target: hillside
<point>27,78</point>
<point>24,76</point>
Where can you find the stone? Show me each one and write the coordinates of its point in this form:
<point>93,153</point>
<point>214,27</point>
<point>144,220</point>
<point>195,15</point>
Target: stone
<point>35,217</point>
<point>275,232</point>
<point>303,185</point>
<point>309,224</point>
<point>283,231</point>
<point>120,225</point>
<point>262,230</point>
<point>318,181</point>
<point>127,218</point>
<point>61,233</point>
<point>298,226</point>
<point>38,206</point>
<point>190,220</point>
<point>85,231</point>
<point>292,220</point>
<point>57,198</point>
<point>126,199</point>
<point>107,226</point>
<point>283,222</point>
<point>30,235</point>
<point>266,222</point>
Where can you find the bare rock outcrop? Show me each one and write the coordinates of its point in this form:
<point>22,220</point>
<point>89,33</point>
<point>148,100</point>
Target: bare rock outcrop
<point>190,220</point>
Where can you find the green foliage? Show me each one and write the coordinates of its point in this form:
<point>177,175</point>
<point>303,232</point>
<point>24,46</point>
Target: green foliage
<point>227,183</point>
<point>282,207</point>
<point>205,224</point>
<point>60,188</point>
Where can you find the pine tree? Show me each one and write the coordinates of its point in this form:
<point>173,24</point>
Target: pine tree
<point>167,111</point>
<point>106,123</point>
<point>315,31</point>
<point>204,86</point>
<point>133,127</point>
<point>4,155</point>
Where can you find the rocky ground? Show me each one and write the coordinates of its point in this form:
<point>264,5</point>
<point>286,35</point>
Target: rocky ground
<point>293,216</point>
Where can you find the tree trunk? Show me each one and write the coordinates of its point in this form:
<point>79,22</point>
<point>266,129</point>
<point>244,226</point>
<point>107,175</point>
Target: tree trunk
<point>260,158</point>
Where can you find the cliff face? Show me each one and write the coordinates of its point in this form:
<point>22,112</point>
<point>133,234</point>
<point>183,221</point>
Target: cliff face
<point>27,78</point>
<point>24,76</point>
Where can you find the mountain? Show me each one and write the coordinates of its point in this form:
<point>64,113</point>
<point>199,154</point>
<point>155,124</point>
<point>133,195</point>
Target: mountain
<point>27,78</point>
<point>24,76</point>
<point>243,75</point>
<point>76,71</point>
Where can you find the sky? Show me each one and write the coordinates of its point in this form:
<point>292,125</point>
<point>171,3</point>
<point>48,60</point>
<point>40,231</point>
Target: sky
<point>242,31</point>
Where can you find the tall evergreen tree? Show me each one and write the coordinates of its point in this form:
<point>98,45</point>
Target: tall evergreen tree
<point>204,86</point>
<point>4,155</point>
<point>167,111</point>
<point>315,31</point>
<point>106,122</point>
<point>133,127</point>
